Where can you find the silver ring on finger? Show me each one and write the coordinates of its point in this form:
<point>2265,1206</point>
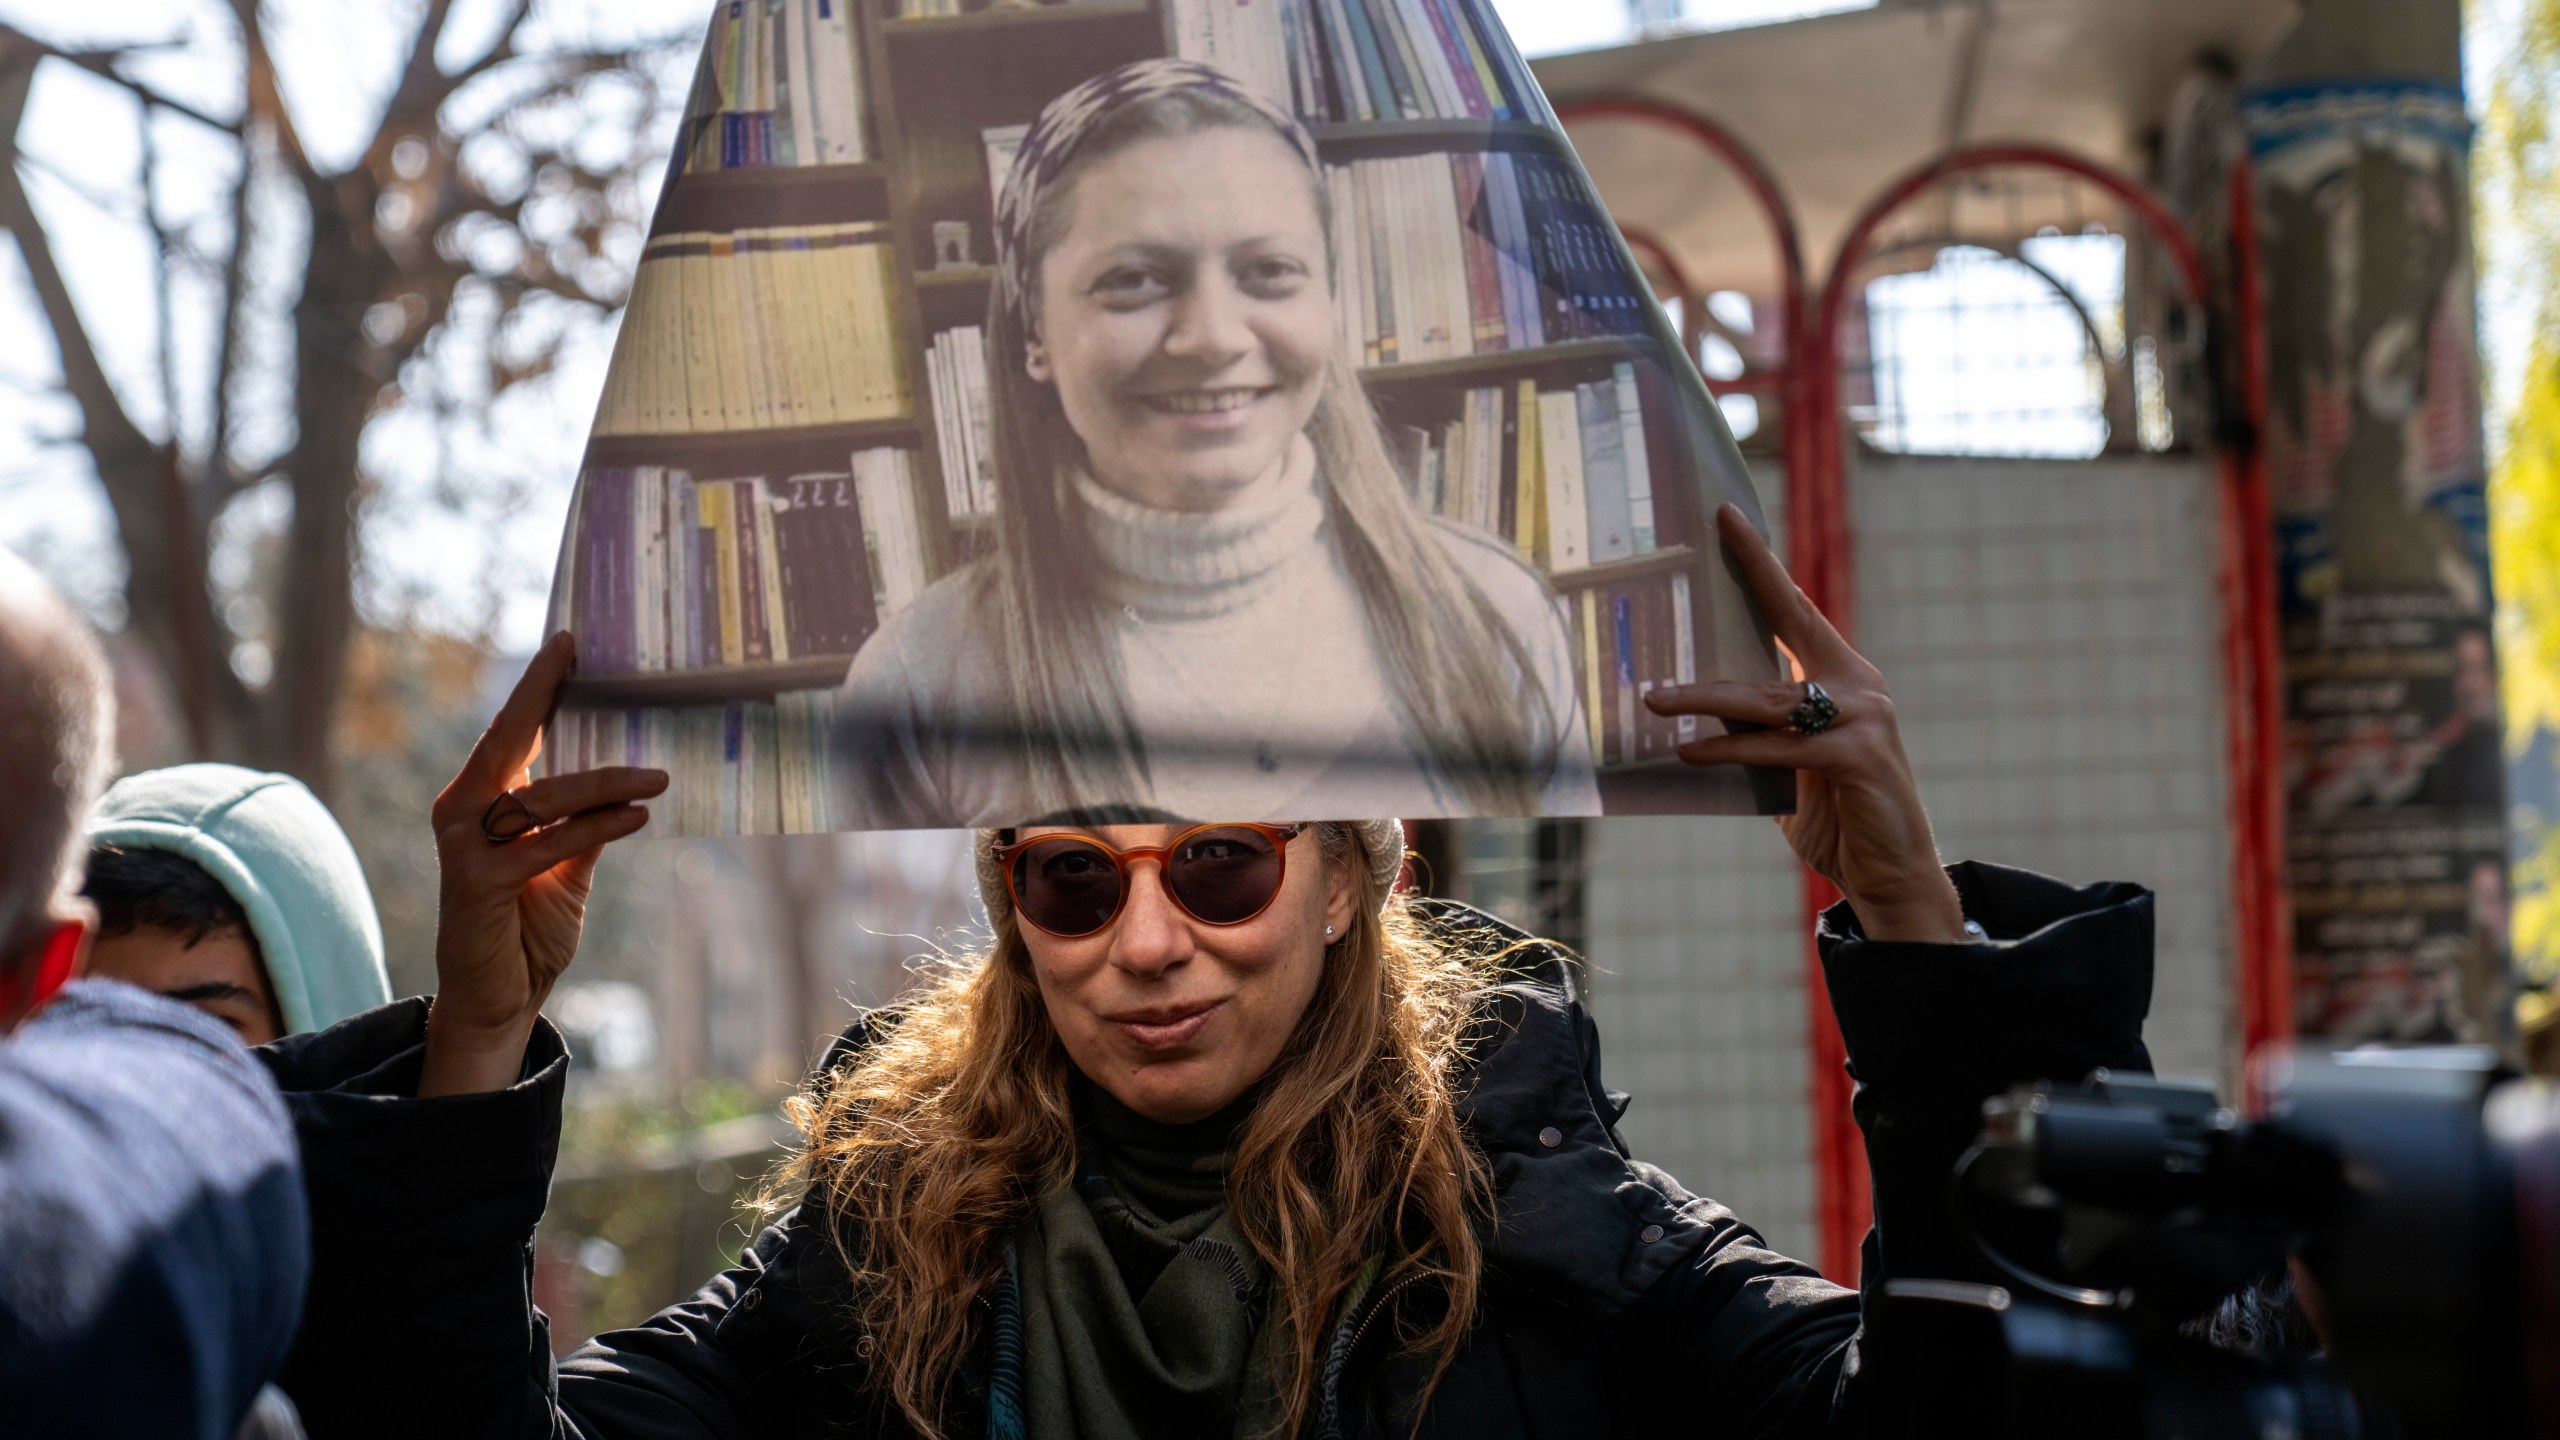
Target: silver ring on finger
<point>508,819</point>
<point>1815,713</point>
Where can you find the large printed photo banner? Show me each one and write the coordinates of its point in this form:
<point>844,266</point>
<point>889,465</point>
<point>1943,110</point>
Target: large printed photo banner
<point>2397,827</point>
<point>1236,409</point>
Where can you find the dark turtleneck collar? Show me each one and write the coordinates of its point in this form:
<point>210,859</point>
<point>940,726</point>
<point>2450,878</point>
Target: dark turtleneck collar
<point>1169,1171</point>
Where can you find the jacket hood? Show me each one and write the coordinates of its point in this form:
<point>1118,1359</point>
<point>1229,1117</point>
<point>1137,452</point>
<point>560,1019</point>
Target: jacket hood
<point>274,846</point>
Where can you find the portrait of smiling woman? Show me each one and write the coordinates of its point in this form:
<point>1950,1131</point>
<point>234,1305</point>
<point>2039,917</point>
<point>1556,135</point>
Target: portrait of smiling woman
<point>1210,591</point>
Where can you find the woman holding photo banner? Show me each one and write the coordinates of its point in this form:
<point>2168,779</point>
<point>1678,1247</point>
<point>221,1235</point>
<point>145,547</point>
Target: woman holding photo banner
<point>1211,592</point>
<point>1221,1135</point>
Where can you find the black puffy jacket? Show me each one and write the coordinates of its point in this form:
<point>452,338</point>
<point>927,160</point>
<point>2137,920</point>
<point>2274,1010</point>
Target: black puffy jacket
<point>1616,1302</point>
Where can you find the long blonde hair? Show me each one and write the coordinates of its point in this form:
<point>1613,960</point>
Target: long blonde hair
<point>1454,663</point>
<point>930,1147</point>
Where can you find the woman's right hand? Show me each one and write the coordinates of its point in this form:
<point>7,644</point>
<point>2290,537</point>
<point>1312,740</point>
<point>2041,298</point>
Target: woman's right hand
<point>508,915</point>
<point>1858,820</point>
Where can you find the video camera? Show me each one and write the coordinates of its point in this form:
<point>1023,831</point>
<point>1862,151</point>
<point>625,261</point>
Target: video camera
<point>2378,1255</point>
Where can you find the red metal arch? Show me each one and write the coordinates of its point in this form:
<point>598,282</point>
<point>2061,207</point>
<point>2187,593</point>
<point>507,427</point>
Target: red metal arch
<point>1693,316</point>
<point>1821,556</point>
<point>1829,471</point>
<point>1817,558</point>
<point>2246,572</point>
<point>1796,438</point>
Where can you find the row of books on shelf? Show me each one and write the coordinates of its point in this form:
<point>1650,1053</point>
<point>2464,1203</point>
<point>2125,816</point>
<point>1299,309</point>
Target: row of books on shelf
<point>1456,254</point>
<point>1563,473</point>
<point>1361,60</point>
<point>748,768</point>
<point>764,767</point>
<point>780,84</point>
<point>759,329</point>
<point>1631,638</point>
<point>675,573</point>
<point>938,9</point>
<point>956,374</point>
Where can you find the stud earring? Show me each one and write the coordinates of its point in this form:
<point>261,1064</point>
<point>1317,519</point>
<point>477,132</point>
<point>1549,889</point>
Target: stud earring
<point>1328,932</point>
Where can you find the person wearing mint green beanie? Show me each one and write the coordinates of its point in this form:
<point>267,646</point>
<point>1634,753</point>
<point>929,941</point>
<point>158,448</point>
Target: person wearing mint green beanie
<point>297,901</point>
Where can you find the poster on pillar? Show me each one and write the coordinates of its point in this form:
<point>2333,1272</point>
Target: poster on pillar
<point>2395,780</point>
<point>1219,409</point>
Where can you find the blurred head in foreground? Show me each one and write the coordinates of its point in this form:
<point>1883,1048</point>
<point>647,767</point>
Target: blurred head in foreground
<point>57,722</point>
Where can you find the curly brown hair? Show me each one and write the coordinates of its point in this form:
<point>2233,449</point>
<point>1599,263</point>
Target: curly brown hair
<point>934,1143</point>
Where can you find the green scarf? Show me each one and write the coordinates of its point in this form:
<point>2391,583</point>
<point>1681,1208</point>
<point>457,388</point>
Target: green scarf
<point>1142,1306</point>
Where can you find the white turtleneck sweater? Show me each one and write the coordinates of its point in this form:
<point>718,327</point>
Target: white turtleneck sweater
<point>1251,677</point>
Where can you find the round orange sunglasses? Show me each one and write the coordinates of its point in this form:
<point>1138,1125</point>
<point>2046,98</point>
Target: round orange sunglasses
<point>1074,885</point>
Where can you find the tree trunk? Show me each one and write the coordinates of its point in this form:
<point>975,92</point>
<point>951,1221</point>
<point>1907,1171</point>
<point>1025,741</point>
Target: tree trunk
<point>343,277</point>
<point>165,508</point>
<point>163,532</point>
<point>800,884</point>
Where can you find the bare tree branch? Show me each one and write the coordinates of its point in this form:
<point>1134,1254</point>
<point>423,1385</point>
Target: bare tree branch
<point>568,70</point>
<point>337,378</point>
<point>266,97</point>
<point>164,311</point>
<point>97,199</point>
<point>162,535</point>
<point>551,282</point>
<point>110,433</point>
<point>422,86</point>
<point>391,246</point>
<point>102,64</point>
<point>498,54</point>
<point>220,481</point>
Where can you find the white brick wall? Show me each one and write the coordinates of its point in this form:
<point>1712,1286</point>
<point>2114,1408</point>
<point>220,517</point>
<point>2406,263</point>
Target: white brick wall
<point>2050,631</point>
<point>1696,942</point>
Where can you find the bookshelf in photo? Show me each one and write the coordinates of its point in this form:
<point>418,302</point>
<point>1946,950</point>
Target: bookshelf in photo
<point>686,574</point>
<point>1558,458</point>
<point>808,326</point>
<point>779,84</point>
<point>768,328</point>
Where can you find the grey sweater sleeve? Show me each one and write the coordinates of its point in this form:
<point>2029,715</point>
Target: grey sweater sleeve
<point>153,1238</point>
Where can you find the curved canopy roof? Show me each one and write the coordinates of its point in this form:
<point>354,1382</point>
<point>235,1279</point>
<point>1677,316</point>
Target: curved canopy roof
<point>1841,105</point>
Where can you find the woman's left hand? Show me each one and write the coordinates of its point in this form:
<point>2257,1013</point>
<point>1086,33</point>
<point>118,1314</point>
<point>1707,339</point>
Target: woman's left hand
<point>1859,822</point>
<point>509,910</point>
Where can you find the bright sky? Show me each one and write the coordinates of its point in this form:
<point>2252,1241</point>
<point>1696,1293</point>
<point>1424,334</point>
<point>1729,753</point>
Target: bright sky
<point>1978,356</point>
<point>455,564</point>
<point>82,162</point>
<point>2506,314</point>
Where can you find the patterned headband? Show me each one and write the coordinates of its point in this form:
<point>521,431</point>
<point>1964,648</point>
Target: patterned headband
<point>1072,118</point>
